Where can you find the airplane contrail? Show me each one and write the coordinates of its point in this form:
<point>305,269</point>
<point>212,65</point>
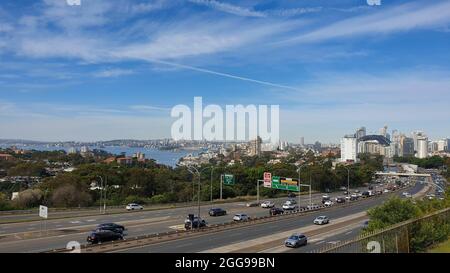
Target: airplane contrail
<point>222,74</point>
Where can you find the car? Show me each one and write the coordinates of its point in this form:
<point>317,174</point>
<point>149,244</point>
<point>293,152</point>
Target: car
<point>325,198</point>
<point>192,222</point>
<point>291,195</point>
<point>385,191</point>
<point>340,200</point>
<point>241,217</point>
<point>291,201</point>
<point>134,206</point>
<point>367,193</point>
<point>328,203</point>
<point>365,224</point>
<point>252,204</point>
<point>275,211</point>
<point>217,212</point>
<point>321,220</point>
<point>370,187</point>
<point>407,195</point>
<point>296,240</point>
<point>267,204</point>
<point>354,197</point>
<point>343,188</point>
<point>100,236</point>
<point>356,191</point>
<point>289,206</point>
<point>111,227</point>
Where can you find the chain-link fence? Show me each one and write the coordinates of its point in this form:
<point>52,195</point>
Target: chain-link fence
<point>409,236</point>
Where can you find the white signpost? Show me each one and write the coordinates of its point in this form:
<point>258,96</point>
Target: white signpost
<point>267,180</point>
<point>43,213</point>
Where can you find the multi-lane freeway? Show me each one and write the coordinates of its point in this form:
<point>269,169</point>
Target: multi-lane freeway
<point>264,237</point>
<point>36,236</point>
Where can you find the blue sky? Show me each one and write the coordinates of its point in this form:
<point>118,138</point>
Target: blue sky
<point>114,69</point>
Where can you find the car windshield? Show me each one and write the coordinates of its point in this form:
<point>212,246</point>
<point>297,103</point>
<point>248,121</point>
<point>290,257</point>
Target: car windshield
<point>293,237</point>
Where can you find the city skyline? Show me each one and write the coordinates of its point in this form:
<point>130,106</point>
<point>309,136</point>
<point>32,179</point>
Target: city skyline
<point>105,70</point>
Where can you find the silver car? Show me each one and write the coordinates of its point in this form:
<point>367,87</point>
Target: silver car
<point>296,240</point>
<point>321,220</point>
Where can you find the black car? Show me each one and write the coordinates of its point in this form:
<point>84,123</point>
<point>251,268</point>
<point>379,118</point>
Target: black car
<point>340,200</point>
<point>100,236</point>
<point>217,212</point>
<point>111,227</point>
<point>275,211</point>
<point>291,195</point>
<point>194,223</point>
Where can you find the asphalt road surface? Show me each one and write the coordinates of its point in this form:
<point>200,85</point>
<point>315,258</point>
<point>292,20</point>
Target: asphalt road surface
<point>246,233</point>
<point>41,236</point>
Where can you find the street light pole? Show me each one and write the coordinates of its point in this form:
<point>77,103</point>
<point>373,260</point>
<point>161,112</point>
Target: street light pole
<point>104,197</point>
<point>348,180</point>
<point>211,186</point>
<point>199,182</point>
<point>299,187</point>
<point>101,189</point>
<point>310,186</point>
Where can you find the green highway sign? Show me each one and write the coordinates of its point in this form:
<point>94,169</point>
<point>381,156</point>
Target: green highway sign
<point>228,179</point>
<point>283,183</point>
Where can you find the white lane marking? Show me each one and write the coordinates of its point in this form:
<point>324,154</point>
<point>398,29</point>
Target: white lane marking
<point>333,242</point>
<point>183,245</point>
<point>75,222</point>
<point>320,242</point>
<point>177,227</point>
<point>91,220</point>
<point>347,233</point>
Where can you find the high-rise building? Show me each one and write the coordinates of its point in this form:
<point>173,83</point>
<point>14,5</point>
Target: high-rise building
<point>443,145</point>
<point>302,141</point>
<point>416,135</point>
<point>406,146</point>
<point>422,147</point>
<point>317,146</point>
<point>72,150</point>
<point>433,146</point>
<point>349,148</point>
<point>361,132</point>
<point>255,147</point>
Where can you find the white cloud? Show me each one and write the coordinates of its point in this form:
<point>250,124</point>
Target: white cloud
<point>149,108</point>
<point>400,18</point>
<point>109,73</point>
<point>229,8</point>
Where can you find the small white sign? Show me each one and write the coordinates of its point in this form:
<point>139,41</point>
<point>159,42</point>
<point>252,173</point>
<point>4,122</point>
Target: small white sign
<point>267,180</point>
<point>43,212</point>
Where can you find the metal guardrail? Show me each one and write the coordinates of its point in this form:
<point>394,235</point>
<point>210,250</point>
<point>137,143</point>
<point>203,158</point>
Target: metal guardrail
<point>166,236</point>
<point>393,239</point>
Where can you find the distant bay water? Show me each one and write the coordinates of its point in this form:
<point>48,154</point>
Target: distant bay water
<point>166,157</point>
